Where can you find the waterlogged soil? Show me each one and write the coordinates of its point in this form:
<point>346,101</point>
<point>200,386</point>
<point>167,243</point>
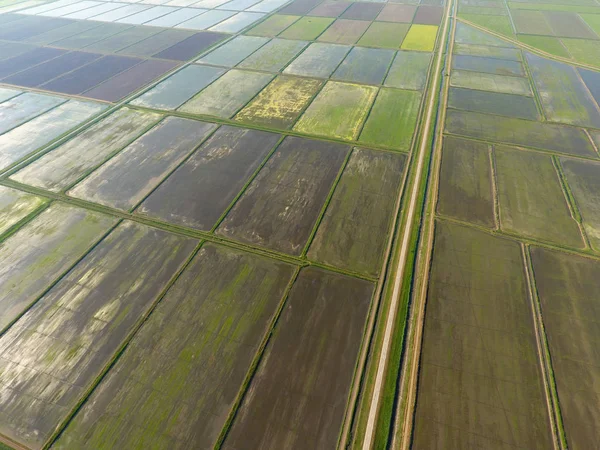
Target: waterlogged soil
<point>318,60</point>
<point>353,232</point>
<point>234,51</point>
<point>28,137</point>
<point>490,82</point>
<point>488,65</point>
<point>16,205</point>
<point>63,166</point>
<point>56,350</point>
<point>344,31</point>
<point>182,371</point>
<point>179,87</point>
<point>465,190</point>
<point>274,56</point>
<point>198,193</point>
<point>24,107</point>
<point>297,398</point>
<point>568,290</point>
<point>37,254</point>
<point>508,105</point>
<point>364,65</point>
<point>280,207</point>
<point>480,383</point>
<point>531,199</point>
<point>409,70</point>
<point>129,177</point>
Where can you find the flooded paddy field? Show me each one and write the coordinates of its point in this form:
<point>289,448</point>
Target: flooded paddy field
<point>199,202</point>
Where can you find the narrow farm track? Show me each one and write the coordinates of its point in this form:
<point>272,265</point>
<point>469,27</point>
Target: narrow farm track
<point>405,239</point>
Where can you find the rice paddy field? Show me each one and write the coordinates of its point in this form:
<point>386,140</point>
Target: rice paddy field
<point>305,224</point>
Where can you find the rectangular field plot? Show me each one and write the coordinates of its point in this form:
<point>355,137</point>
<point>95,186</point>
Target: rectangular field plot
<point>465,190</point>
<point>508,105</point>
<point>234,51</point>
<point>179,87</point>
<point>488,65</point>
<point>281,205</point>
<point>273,25</point>
<point>353,232</point>
<point>564,96</point>
<point>297,399</point>
<point>28,137</point>
<point>466,34</point>
<point>583,179</point>
<point>392,119</point>
<point>280,104</point>
<point>318,60</point>
<point>16,205</point>
<point>384,35</point>
<point>562,139</point>
<point>338,111</point>
<point>592,81</point>
<point>33,257</point>
<point>490,82</point>
<point>487,51</point>
<point>63,166</point>
<point>198,193</point>
<point>409,70</point>
<point>531,198</point>
<point>480,382</point>
<point>52,354</point>
<point>130,176</point>
<point>274,56</point>
<point>307,28</point>
<point>183,369</point>
<point>568,290</point>
<point>24,107</point>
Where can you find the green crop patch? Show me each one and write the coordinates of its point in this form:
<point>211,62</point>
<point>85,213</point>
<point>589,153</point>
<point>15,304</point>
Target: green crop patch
<point>420,38</point>
<point>282,204</point>
<point>564,96</point>
<point>384,35</point>
<point>85,317</point>
<point>583,178</point>
<point>532,202</point>
<point>490,82</point>
<point>274,56</point>
<point>59,168</point>
<point>307,28</point>
<point>198,193</point>
<point>280,103</point>
<point>409,70</point>
<point>305,376</point>
<point>228,94</point>
<point>465,189</point>
<point>568,292</point>
<point>273,25</point>
<point>354,229</point>
<point>125,180</point>
<point>531,22</point>
<point>583,50</point>
<point>393,119</point>
<point>558,138</point>
<point>338,110</point>
<point>480,382</point>
<point>508,105</point>
<point>547,44</point>
<point>499,24</point>
<point>204,333</point>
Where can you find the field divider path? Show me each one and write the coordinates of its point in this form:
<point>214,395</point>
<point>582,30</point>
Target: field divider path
<point>554,413</point>
<point>405,241</point>
<point>408,382</point>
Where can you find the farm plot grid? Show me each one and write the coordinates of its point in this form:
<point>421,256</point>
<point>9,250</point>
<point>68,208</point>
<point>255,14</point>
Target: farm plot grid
<point>198,202</point>
<point>508,356</point>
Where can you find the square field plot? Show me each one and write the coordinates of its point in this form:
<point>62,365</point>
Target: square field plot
<point>420,38</point>
<point>307,28</point>
<point>409,70</point>
<point>338,111</point>
<point>274,56</point>
<point>384,35</point>
<point>364,65</point>
<point>344,31</point>
<point>318,60</point>
<point>281,206</point>
<point>273,25</point>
